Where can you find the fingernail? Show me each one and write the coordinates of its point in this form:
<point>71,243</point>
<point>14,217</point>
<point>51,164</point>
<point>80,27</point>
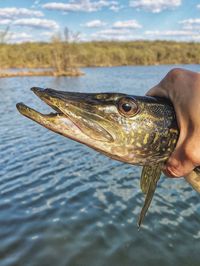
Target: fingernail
<point>173,167</point>
<point>168,172</point>
<point>171,172</point>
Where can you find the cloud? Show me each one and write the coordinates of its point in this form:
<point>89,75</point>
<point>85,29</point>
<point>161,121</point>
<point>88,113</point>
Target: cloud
<point>94,24</point>
<point>48,34</point>
<point>169,33</point>
<point>191,24</point>
<point>190,31</point>
<point>128,24</point>
<point>115,35</point>
<point>81,5</point>
<point>13,12</point>
<point>198,6</point>
<point>179,35</point>
<point>155,6</point>
<point>5,21</point>
<point>119,31</point>
<point>37,23</point>
<point>115,8</point>
<point>20,37</point>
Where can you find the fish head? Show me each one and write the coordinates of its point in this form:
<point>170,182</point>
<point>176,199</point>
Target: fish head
<point>118,125</point>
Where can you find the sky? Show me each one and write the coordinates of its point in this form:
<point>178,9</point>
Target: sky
<point>88,20</point>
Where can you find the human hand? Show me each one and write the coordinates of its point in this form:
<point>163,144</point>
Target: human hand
<point>182,87</point>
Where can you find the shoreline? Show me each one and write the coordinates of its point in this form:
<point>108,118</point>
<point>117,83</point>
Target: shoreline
<point>72,73</point>
<point>5,73</point>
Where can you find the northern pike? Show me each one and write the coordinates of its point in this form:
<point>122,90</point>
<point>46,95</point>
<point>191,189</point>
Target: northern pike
<point>139,130</point>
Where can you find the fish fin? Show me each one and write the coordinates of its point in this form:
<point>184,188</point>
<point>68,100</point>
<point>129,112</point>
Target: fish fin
<point>145,178</point>
<point>194,179</point>
<point>150,175</point>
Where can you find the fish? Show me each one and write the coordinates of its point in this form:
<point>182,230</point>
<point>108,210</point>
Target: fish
<point>138,130</point>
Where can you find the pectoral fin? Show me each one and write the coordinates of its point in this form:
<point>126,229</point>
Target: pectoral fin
<point>145,178</point>
<point>149,178</point>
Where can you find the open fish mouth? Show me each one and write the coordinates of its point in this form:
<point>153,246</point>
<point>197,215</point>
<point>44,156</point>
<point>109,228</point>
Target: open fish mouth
<point>74,115</point>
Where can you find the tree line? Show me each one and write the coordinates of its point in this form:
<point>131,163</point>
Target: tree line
<point>64,55</point>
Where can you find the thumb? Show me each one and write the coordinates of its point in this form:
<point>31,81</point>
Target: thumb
<point>184,159</point>
<point>178,164</point>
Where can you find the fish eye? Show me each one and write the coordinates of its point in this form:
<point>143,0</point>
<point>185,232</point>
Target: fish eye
<point>127,106</point>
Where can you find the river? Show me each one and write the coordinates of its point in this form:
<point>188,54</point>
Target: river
<point>63,204</point>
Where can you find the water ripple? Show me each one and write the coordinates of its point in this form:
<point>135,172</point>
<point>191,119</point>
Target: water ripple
<point>63,204</point>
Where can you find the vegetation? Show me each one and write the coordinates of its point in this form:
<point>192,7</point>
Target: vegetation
<point>57,58</point>
<point>63,55</point>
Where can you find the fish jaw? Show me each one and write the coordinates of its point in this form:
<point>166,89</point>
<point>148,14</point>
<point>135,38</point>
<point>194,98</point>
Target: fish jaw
<point>56,122</point>
<point>72,118</point>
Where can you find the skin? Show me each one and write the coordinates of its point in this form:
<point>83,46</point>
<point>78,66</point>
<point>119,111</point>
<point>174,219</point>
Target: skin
<point>182,87</point>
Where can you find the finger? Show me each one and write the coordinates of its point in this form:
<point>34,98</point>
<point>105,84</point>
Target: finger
<point>181,162</point>
<point>178,164</point>
<point>186,155</point>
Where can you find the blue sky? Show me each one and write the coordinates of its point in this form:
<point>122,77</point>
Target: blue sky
<point>39,20</point>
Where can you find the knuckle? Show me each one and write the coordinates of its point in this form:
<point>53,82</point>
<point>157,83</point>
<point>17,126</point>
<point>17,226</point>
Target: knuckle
<point>192,154</point>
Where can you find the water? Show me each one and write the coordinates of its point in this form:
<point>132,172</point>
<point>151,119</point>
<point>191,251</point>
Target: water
<point>64,204</point>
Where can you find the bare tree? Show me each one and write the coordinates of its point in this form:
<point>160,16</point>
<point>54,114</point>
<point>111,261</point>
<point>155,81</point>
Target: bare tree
<point>70,36</point>
<point>4,34</point>
<point>62,48</point>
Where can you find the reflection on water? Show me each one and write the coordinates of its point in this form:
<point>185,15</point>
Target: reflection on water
<point>64,204</point>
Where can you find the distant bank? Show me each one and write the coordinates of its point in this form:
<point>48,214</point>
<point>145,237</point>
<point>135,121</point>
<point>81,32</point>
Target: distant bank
<point>66,58</point>
<point>42,72</point>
